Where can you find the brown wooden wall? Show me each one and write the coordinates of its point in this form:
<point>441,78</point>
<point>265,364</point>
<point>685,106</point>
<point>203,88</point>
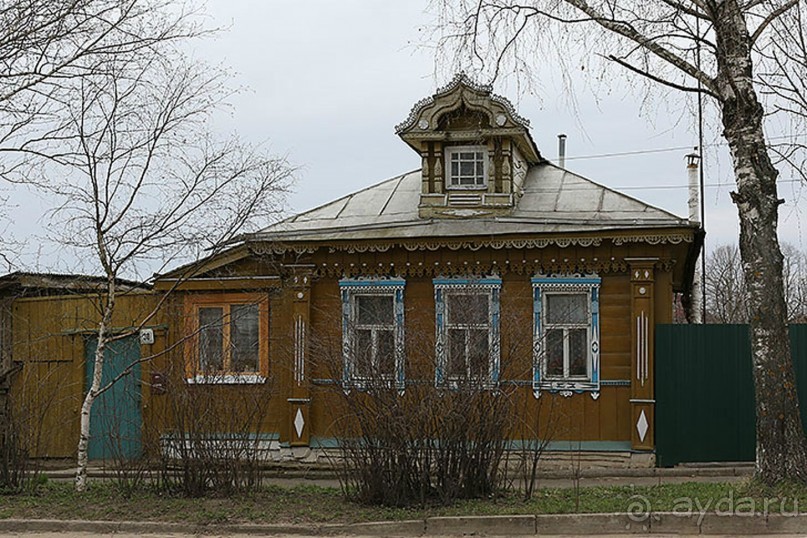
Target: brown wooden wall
<point>579,417</point>
<point>48,342</point>
<point>604,419</point>
<point>49,332</point>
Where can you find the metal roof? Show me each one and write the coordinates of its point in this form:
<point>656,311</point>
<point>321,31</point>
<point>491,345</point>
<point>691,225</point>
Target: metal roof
<point>554,201</point>
<point>60,282</point>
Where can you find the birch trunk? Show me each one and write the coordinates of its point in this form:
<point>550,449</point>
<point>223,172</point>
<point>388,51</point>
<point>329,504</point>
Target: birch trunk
<point>95,386</point>
<point>781,448</point>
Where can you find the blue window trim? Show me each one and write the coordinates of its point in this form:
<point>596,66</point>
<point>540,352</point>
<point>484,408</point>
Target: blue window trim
<point>395,287</point>
<point>492,285</point>
<point>589,284</point>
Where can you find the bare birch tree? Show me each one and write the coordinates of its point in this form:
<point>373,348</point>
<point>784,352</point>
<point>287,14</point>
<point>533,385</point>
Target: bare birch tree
<point>45,47</point>
<point>142,182</point>
<point>747,58</point>
<point>46,44</point>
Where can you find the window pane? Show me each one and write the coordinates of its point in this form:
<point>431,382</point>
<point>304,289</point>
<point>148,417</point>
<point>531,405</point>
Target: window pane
<point>211,339</point>
<point>455,363</point>
<point>578,352</point>
<point>467,168</point>
<point>244,339</point>
<point>362,352</point>
<point>385,352</point>
<point>479,350</point>
<point>554,352</point>
<point>374,309</point>
<point>467,309</point>
<point>567,308</point>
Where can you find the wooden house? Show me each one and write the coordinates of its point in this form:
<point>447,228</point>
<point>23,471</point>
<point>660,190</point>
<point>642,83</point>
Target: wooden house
<point>487,244</point>
<point>488,262</point>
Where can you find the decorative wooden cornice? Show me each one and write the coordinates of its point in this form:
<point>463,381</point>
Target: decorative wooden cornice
<point>437,243</point>
<point>460,79</point>
<point>479,269</point>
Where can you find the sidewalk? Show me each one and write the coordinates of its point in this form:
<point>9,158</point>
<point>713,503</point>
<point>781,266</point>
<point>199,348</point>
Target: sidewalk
<point>665,524</point>
<point>298,474</point>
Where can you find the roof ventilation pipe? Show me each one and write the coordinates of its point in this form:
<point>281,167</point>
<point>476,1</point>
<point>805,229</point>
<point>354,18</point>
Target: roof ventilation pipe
<point>696,298</point>
<point>694,185</point>
<point>562,150</point>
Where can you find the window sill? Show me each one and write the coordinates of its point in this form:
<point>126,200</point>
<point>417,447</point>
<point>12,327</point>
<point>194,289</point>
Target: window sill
<point>226,379</point>
<point>480,188</point>
<point>565,384</point>
<point>460,383</point>
<point>365,384</point>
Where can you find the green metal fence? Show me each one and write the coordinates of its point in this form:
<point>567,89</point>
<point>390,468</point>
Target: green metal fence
<point>705,392</point>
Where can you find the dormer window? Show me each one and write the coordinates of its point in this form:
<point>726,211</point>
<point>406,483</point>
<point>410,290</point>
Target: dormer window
<point>467,167</point>
<point>475,152</point>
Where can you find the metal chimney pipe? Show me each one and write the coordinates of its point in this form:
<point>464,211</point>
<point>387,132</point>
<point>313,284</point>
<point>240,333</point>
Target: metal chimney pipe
<point>694,187</point>
<point>696,299</point>
<point>562,150</point>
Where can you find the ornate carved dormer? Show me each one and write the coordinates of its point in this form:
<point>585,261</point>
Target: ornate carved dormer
<point>475,150</point>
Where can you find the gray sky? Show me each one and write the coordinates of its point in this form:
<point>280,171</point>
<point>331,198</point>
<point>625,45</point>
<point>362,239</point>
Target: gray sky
<point>328,81</point>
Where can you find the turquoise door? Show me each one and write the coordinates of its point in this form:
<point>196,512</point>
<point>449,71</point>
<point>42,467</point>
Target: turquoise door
<point>116,420</point>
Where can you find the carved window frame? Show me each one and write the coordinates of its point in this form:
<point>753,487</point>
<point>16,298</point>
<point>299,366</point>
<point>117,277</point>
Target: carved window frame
<point>450,151</point>
<point>543,286</point>
<point>489,286</point>
<point>194,374</point>
<point>350,289</point>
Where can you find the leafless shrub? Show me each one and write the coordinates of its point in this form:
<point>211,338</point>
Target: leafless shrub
<point>440,434</point>
<point>535,432</point>
<point>431,444</point>
<point>22,430</point>
<point>14,456</point>
<point>214,443</point>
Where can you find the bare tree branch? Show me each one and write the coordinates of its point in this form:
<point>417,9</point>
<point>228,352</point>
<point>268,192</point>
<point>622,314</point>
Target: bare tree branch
<point>658,79</point>
<point>775,14</point>
<point>628,31</point>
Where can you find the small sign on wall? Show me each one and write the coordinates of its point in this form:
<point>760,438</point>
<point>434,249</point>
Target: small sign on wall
<point>146,336</point>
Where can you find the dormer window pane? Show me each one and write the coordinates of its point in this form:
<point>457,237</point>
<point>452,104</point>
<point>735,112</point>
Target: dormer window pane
<point>467,167</point>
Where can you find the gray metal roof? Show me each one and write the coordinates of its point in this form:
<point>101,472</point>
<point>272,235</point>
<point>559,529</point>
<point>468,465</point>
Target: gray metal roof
<point>554,201</point>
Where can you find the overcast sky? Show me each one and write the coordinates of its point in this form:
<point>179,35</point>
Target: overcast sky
<point>328,81</point>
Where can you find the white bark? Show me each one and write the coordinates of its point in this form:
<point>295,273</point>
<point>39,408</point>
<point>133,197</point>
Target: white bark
<point>85,431</point>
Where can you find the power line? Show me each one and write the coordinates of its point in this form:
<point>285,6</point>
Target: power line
<point>651,187</point>
<point>708,185</point>
<point>662,150</point>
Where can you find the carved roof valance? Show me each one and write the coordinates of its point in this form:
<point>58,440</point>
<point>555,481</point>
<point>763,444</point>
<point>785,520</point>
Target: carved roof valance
<point>436,243</point>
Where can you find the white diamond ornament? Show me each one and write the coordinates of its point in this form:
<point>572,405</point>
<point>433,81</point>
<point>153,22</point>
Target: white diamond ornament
<point>641,426</point>
<point>299,423</point>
